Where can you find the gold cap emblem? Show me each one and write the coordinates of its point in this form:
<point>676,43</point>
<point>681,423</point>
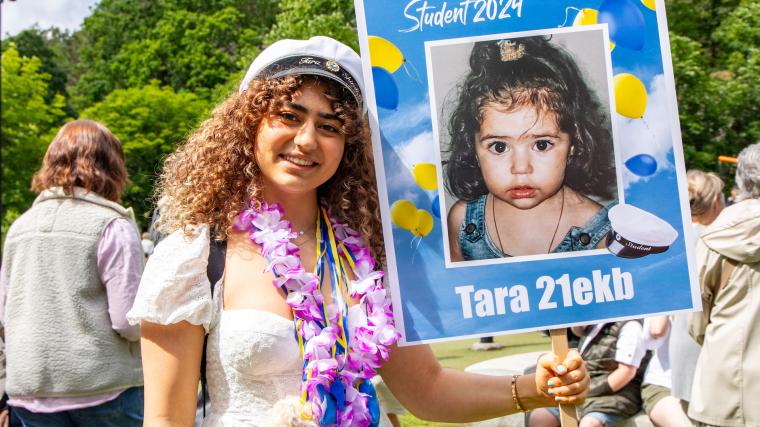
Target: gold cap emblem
<point>332,66</point>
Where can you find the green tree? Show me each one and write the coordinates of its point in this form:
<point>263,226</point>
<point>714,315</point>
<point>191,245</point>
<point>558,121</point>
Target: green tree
<point>697,19</point>
<point>112,25</point>
<point>738,42</point>
<point>301,19</point>
<point>27,126</point>
<point>186,50</point>
<point>716,59</point>
<point>34,42</point>
<point>149,121</point>
<point>700,104</point>
<point>185,44</point>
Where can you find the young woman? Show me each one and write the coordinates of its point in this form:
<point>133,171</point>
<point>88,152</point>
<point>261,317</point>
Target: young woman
<point>282,172</point>
<point>71,268</point>
<point>529,144</point>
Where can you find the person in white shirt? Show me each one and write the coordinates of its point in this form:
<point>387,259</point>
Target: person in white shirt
<point>663,409</point>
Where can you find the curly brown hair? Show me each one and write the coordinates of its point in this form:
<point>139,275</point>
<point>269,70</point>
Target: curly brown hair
<point>84,154</point>
<point>212,177</point>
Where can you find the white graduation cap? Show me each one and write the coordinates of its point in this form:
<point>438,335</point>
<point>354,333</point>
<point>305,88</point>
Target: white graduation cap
<point>636,233</point>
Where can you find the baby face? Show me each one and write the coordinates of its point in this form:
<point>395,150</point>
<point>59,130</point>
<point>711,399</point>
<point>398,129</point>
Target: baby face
<point>522,154</point>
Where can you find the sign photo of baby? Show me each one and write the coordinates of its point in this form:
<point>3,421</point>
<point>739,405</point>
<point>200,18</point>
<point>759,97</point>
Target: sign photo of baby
<point>526,143</point>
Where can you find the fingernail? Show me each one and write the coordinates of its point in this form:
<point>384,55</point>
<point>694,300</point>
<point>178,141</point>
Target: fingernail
<point>550,391</point>
<point>561,369</point>
<point>550,383</point>
<point>557,399</point>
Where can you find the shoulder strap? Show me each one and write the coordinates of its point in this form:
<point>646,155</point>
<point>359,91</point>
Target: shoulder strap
<point>699,320</point>
<point>214,270</point>
<point>728,268</point>
<point>216,255</point>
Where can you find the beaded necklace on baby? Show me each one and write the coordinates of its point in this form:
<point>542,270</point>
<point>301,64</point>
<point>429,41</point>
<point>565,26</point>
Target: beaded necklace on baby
<point>338,363</point>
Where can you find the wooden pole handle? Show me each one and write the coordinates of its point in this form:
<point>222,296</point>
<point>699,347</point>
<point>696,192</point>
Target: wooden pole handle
<point>567,415</point>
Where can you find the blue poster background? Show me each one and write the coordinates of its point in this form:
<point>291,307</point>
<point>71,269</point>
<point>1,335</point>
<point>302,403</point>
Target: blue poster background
<point>426,303</point>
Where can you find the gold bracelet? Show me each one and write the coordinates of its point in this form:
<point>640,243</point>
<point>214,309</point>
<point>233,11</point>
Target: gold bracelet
<point>515,397</point>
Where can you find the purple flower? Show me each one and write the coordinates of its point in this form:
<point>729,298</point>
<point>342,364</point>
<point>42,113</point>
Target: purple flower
<point>373,333</point>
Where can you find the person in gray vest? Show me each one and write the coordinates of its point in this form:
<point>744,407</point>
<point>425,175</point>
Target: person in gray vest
<point>70,271</point>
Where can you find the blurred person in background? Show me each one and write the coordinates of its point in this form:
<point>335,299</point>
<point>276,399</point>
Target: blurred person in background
<point>147,244</point>
<point>71,267</point>
<point>706,200</point>
<point>662,408</point>
<point>727,379</point>
<point>616,360</point>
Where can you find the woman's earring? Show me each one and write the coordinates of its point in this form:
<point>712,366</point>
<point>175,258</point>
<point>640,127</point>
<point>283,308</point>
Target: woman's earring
<point>572,150</point>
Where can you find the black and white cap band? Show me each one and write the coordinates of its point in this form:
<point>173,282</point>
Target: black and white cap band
<point>624,248</point>
<point>636,233</point>
<point>315,65</point>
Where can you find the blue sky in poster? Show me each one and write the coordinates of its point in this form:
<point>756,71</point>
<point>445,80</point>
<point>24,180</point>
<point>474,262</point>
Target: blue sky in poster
<point>432,308</point>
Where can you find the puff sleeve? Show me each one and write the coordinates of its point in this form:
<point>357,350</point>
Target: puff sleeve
<point>174,285</point>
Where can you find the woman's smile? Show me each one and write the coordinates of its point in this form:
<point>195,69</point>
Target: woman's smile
<point>299,161</point>
<point>300,146</point>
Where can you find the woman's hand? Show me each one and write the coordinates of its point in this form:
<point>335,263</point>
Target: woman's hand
<point>566,381</point>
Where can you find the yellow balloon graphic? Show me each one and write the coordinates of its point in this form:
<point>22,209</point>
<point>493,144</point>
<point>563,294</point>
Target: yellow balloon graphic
<point>586,16</point>
<point>649,3</point>
<point>630,96</point>
<point>425,176</point>
<point>404,214</point>
<point>384,54</point>
<point>424,223</point>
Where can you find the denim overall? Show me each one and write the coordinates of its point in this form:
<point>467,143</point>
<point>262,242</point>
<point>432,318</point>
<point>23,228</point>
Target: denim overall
<point>475,243</point>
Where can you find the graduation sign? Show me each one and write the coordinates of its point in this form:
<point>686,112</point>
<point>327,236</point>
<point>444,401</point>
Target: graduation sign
<point>529,163</point>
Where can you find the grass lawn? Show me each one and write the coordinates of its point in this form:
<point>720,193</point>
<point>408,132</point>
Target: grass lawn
<point>457,355</point>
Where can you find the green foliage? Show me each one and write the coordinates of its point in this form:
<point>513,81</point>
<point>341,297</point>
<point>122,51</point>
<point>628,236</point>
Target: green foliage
<point>716,59</point>
<point>112,25</point>
<point>699,102</point>
<point>149,121</point>
<point>33,43</point>
<point>185,44</point>
<point>697,19</point>
<point>301,19</point>
<point>185,50</point>
<point>27,126</point>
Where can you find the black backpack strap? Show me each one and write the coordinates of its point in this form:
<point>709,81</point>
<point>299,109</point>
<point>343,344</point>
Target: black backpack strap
<point>215,269</point>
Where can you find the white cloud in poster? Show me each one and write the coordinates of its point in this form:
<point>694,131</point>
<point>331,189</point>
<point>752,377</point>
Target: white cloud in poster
<point>650,135</point>
<point>406,120</point>
<point>419,149</point>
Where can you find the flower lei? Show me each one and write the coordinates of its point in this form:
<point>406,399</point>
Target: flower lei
<point>337,365</point>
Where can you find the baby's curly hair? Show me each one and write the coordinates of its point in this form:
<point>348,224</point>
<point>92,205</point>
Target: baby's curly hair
<point>214,176</point>
<point>547,78</point>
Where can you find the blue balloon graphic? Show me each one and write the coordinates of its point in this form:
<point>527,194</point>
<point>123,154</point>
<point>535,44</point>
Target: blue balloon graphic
<point>435,207</point>
<point>386,91</point>
<point>642,165</point>
<point>625,21</point>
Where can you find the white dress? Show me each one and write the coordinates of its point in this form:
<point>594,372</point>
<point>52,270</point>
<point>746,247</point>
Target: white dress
<point>252,359</point>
